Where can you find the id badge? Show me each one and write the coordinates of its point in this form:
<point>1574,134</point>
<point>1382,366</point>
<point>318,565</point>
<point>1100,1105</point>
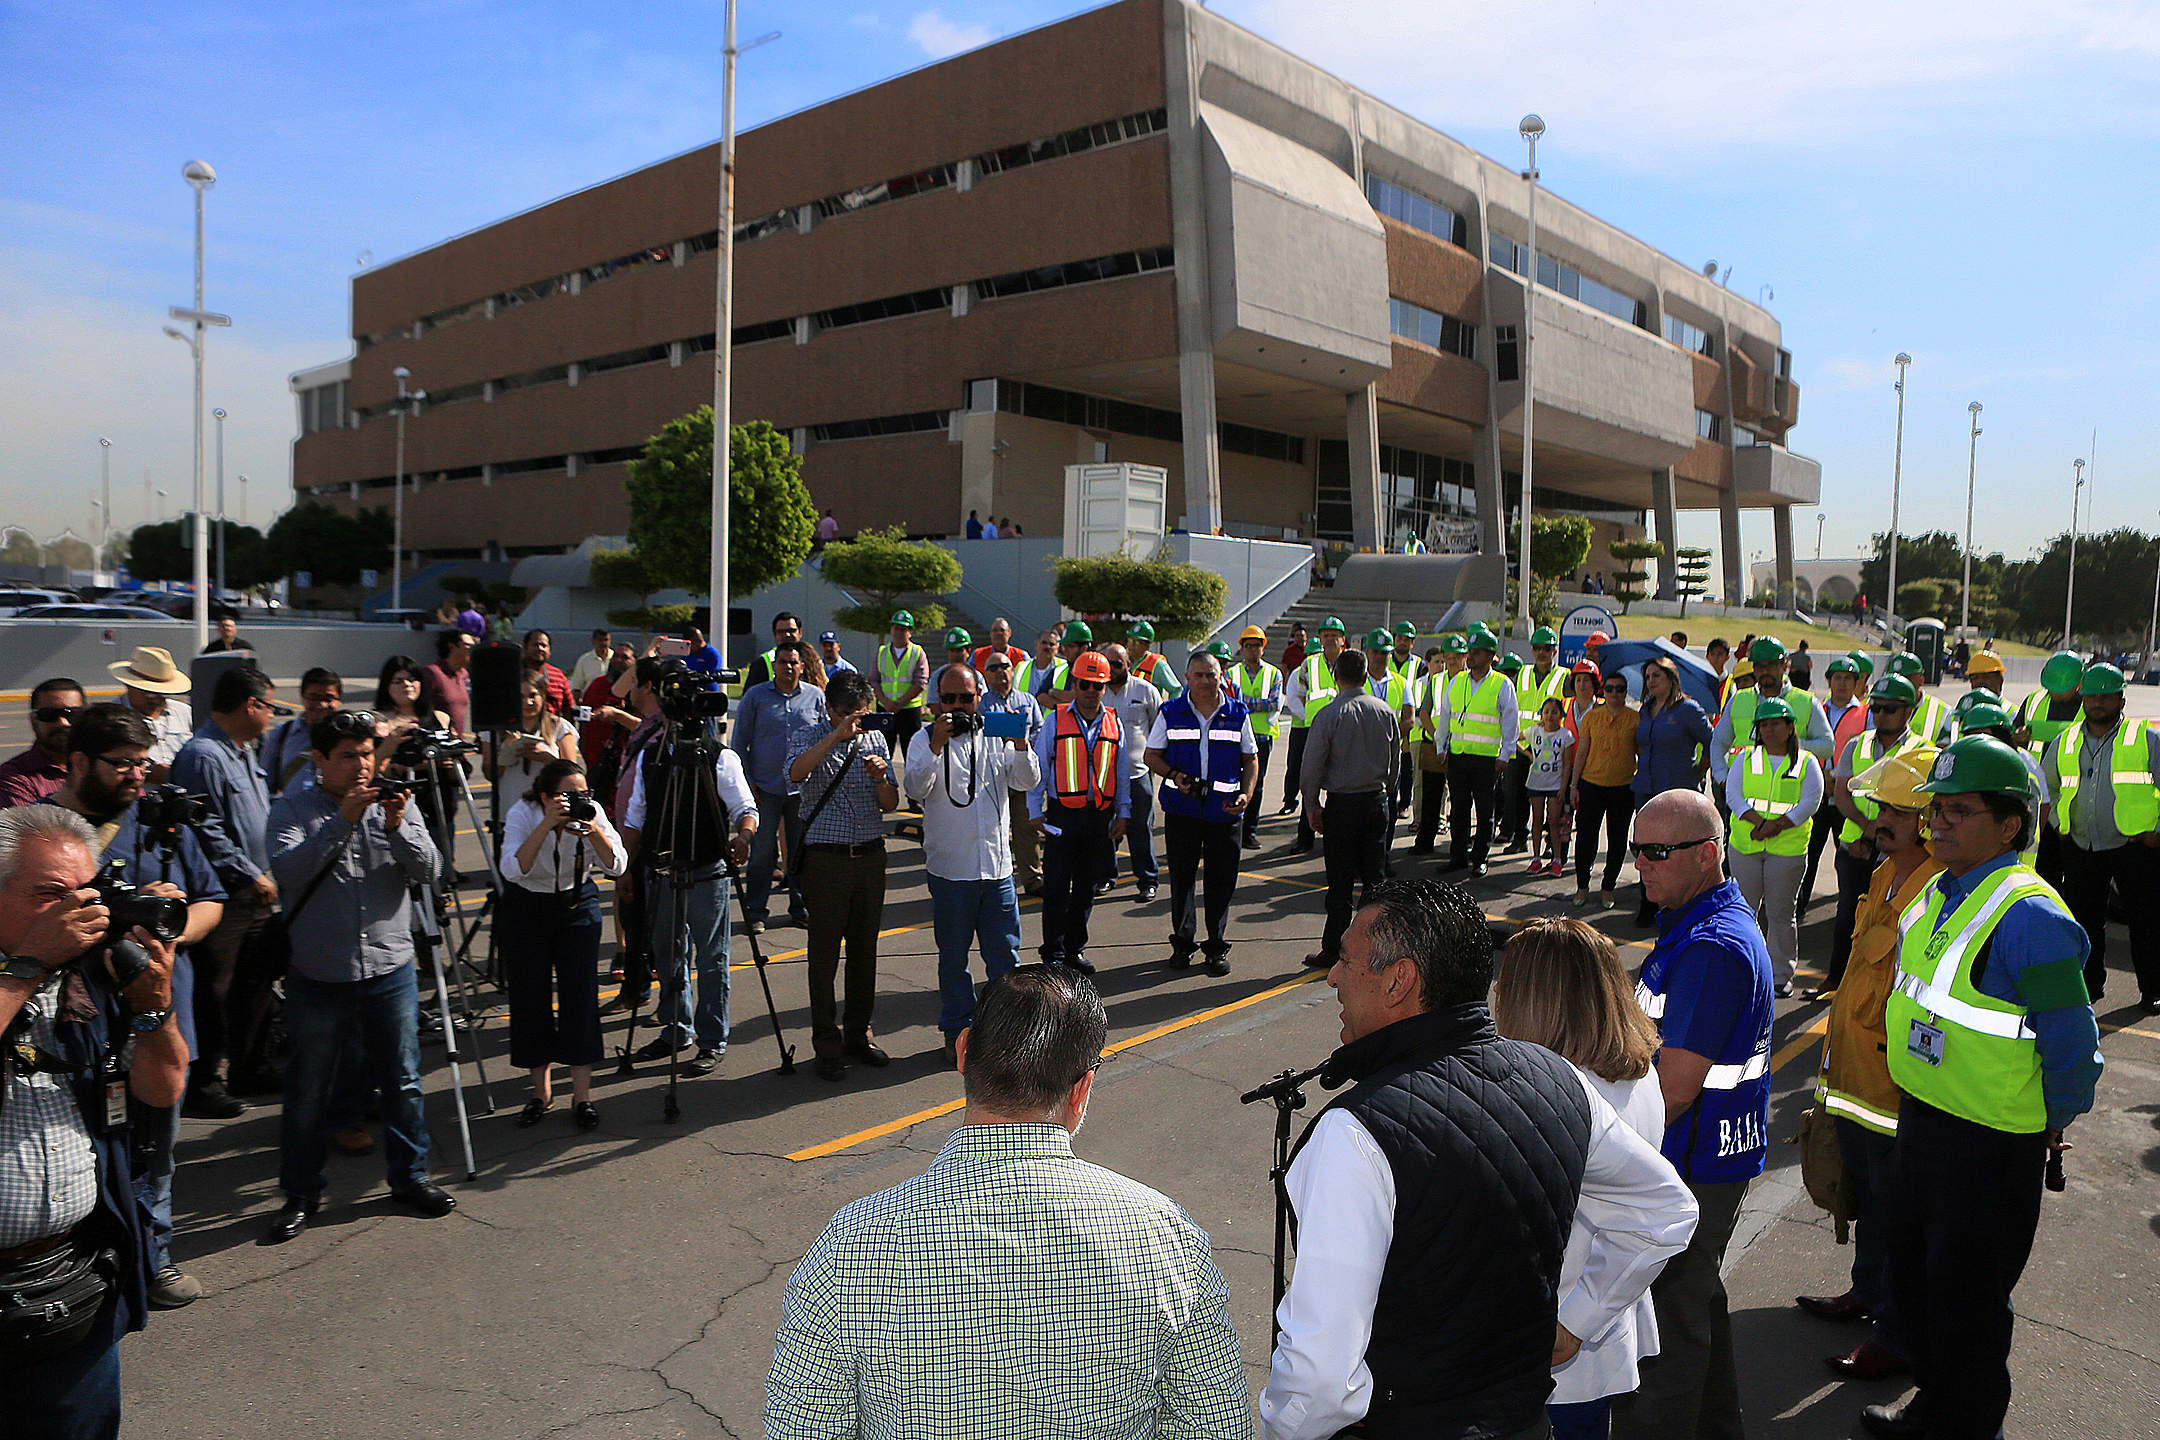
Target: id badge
<point>116,1102</point>
<point>1925,1043</point>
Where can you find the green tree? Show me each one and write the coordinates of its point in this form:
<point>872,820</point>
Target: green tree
<point>21,548</point>
<point>1559,544</point>
<point>330,545</point>
<point>160,552</point>
<point>1916,598</point>
<point>2113,598</point>
<point>1691,575</point>
<point>771,521</point>
<point>886,567</point>
<point>1633,583</point>
<point>69,551</point>
<point>1182,601</point>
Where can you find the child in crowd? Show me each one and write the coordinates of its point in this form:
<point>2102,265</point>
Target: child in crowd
<point>1549,744</point>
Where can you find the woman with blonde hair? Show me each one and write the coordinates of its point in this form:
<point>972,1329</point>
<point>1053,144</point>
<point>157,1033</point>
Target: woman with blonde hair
<point>1560,984</point>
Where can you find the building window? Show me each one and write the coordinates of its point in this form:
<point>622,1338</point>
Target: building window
<point>1430,327</point>
<point>1074,142</point>
<point>752,334</point>
<point>1416,489</point>
<point>918,423</point>
<point>1260,444</point>
<point>1570,282</point>
<point>1122,417</point>
<point>886,308</point>
<point>323,407</point>
<point>1507,353</point>
<point>1708,426</point>
<point>551,375</point>
<point>862,197</point>
<point>1419,212</point>
<point>1689,337</point>
<point>1078,272</point>
<point>624,359</point>
<point>620,455</point>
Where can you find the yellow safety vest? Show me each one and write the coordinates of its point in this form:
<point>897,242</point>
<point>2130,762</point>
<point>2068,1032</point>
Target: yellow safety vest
<point>2137,803</point>
<point>897,677</point>
<point>1742,710</point>
<point>1771,787</point>
<point>1250,687</point>
<point>1474,713</point>
<point>1317,674</point>
<point>1865,752</point>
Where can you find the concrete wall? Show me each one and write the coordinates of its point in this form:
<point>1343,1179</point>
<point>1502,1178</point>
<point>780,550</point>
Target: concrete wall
<point>36,650</point>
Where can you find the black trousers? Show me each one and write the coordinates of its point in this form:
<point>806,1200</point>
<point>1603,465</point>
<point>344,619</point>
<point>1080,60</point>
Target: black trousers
<point>1206,851</point>
<point>1471,782</point>
<point>1967,1204</point>
<point>1690,1389</point>
<point>1615,806</point>
<point>844,899</point>
<point>1293,762</point>
<point>1852,882</point>
<point>1250,827</point>
<point>2048,859</point>
<point>1821,830</point>
<point>1515,799</point>
<point>2135,870</point>
<point>1357,841</point>
<point>1074,861</point>
<point>1429,806</point>
<point>550,944</point>
<point>634,956</point>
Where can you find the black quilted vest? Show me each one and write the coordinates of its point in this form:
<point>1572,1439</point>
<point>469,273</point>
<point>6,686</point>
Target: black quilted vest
<point>1486,1138</point>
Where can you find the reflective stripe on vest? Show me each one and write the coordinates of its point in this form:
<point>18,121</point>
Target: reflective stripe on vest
<point>897,676</point>
<point>1864,755</point>
<point>1741,710</point>
<point>1653,1003</point>
<point>1212,753</point>
<point>1256,687</point>
<point>1732,1077</point>
<point>1474,713</point>
<point>1317,673</point>
<point>1853,1108</point>
<point>1084,776</point>
<point>2032,715</point>
<point>1770,791</point>
<point>2137,804</point>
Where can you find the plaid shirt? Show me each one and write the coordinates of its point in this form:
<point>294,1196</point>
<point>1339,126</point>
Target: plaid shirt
<point>1012,1290</point>
<point>48,1171</point>
<point>852,816</point>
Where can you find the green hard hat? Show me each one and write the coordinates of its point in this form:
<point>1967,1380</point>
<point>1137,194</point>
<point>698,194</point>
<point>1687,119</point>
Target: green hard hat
<point>1453,645</point>
<point>1978,764</point>
<point>1379,639</point>
<point>1969,699</point>
<point>1508,664</point>
<point>1894,687</point>
<point>1544,635</point>
<point>1773,708</point>
<point>958,639</point>
<point>1862,661</point>
<point>1406,629</point>
<point>1766,650</point>
<point>2101,679</point>
<point>2062,674</point>
<point>1140,630</point>
<point>1843,665</point>
<point>1333,623</point>
<point>1906,663</point>
<point>1220,650</point>
<point>1987,715</point>
<point>1077,633</point>
<point>1481,638</point>
<point>902,617</point>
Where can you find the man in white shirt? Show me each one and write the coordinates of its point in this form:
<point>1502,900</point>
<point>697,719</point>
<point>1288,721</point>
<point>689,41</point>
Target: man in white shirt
<point>961,779</point>
<point>592,664</point>
<point>1137,702</point>
<point>1435,1198</point>
<point>1006,694</point>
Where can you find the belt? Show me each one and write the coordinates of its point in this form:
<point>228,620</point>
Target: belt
<point>46,1246</point>
<point>867,847</point>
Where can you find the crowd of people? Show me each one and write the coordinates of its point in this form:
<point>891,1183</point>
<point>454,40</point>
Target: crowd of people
<point>1612,1132</point>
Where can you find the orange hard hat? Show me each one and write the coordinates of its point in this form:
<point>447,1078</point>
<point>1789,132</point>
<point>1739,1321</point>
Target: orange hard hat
<point>1597,638</point>
<point>1091,666</point>
<point>1585,667</point>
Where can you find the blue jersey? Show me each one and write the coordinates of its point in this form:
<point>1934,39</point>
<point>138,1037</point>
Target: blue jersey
<point>1707,985</point>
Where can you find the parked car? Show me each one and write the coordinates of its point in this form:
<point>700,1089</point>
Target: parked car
<point>13,601</point>
<point>110,614</point>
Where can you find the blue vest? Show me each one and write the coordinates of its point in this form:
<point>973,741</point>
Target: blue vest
<point>1213,756</point>
<point>1720,1009</point>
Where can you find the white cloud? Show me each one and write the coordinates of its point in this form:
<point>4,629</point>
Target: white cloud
<point>940,37</point>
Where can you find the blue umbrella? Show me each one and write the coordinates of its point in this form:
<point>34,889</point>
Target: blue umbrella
<point>1697,680</point>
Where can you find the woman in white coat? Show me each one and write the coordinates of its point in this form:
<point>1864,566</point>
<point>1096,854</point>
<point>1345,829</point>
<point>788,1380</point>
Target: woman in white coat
<point>1560,984</point>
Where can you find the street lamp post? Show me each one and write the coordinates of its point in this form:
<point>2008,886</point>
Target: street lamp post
<point>104,538</point>
<point>2152,631</point>
<point>397,501</point>
<point>219,416</point>
<point>1819,518</point>
<point>243,498</point>
<point>1972,456</point>
<point>1530,127</point>
<point>1897,475</point>
<point>201,177</point>
<point>2070,570</point>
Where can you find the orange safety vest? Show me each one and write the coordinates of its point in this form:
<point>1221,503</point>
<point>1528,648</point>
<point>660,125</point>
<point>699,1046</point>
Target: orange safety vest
<point>1085,776</point>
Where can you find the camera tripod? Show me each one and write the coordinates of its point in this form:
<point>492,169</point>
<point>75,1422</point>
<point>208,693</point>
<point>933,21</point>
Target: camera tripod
<point>1287,1090</point>
<point>689,829</point>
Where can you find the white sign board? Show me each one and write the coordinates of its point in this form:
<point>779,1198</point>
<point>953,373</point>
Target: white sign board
<point>1580,624</point>
<point>1115,509</point>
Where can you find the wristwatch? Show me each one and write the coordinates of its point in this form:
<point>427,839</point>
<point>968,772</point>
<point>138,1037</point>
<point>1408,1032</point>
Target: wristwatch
<point>146,1021</point>
<point>21,967</point>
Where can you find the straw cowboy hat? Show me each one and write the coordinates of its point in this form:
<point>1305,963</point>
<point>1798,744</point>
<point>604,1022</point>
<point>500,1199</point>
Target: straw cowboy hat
<point>153,670</point>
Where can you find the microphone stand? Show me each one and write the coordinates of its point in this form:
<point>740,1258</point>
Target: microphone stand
<point>1288,1092</point>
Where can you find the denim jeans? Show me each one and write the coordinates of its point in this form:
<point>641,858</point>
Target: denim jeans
<point>965,912</point>
<point>709,937</point>
<point>157,1130</point>
<point>319,1015</point>
<point>773,809</point>
<point>1140,833</point>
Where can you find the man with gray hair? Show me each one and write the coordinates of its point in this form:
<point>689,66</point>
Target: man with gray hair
<point>1012,1289</point>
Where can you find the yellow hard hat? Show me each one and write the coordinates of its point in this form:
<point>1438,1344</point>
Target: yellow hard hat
<point>1895,779</point>
<point>1985,662</point>
<point>1251,632</point>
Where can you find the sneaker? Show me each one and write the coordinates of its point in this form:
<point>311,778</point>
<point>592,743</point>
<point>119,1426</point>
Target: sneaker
<point>212,1102</point>
<point>703,1063</point>
<point>1147,893</point>
<point>1553,869</point>
<point>171,1288</point>
<point>1537,866</point>
<point>659,1049</point>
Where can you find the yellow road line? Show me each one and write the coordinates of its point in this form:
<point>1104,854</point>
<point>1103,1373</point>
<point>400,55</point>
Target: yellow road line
<point>878,1132</point>
<point>2129,1030</point>
<point>1800,1042</point>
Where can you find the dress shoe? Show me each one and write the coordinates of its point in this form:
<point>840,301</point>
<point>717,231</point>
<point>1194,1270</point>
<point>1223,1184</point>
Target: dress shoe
<point>530,1115</point>
<point>1104,887</point>
<point>1298,847</point>
<point>753,927</point>
<point>1895,1422</point>
<point>1820,992</point>
<point>1081,963</point>
<point>1287,807</point>
<point>1838,1308</point>
<point>1784,989</point>
<point>212,1102</point>
<point>831,1067</point>
<point>1454,865</point>
<point>1249,842</point>
<point>426,1197</point>
<point>1477,872</point>
<point>621,1004</point>
<point>2151,1004</point>
<point>1320,960</point>
<point>1419,850</point>
<point>659,1049</point>
<point>1180,960</point>
<point>289,1221</point>
<point>171,1287</point>
<point>353,1140</point>
<point>703,1063</point>
<point>1147,893</point>
<point>869,1053</point>
<point>1217,965</point>
<point>586,1114</point>
<point>1869,1362</point>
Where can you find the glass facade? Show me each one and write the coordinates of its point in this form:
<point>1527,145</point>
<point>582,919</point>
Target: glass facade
<point>1419,212</point>
<point>1430,327</point>
<point>1689,337</point>
<point>1569,281</point>
<point>1415,490</point>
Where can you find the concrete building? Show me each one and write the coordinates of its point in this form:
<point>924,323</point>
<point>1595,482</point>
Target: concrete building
<point>1140,233</point>
<point>1814,582</point>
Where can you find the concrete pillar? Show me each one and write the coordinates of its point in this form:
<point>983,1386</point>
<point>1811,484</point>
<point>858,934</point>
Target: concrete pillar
<point>1368,527</point>
<point>1195,318</point>
<point>1781,529</point>
<point>1665,515</point>
<point>1732,560</point>
<point>1486,470</point>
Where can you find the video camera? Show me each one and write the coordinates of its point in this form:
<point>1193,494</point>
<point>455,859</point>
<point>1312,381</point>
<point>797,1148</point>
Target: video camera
<point>420,746</point>
<point>687,696</point>
<point>165,808</point>
<point>161,915</point>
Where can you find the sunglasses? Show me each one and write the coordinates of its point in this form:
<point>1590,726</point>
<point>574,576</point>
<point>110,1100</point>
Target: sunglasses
<point>1658,852</point>
<point>998,665</point>
<point>55,714</point>
<point>1087,684</point>
<point>352,724</point>
<point>956,697</point>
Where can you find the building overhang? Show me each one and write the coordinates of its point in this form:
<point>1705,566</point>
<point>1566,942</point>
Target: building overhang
<point>1766,475</point>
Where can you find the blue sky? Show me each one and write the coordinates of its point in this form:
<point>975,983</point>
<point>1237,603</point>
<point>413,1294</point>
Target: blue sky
<point>1971,182</point>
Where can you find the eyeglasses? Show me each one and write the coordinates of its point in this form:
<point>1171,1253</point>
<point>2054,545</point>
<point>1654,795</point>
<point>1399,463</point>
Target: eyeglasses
<point>1940,814</point>
<point>1884,707</point>
<point>351,724</point>
<point>998,665</point>
<point>1654,851</point>
<point>1087,684</point>
<point>137,763</point>
<point>55,714</point>
<point>960,697</point>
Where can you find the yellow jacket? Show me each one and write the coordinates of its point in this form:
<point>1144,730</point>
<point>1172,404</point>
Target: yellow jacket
<point>1855,1080</point>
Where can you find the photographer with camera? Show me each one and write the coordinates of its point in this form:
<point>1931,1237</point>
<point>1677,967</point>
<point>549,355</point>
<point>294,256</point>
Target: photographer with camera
<point>285,749</point>
<point>554,840</point>
<point>846,779</point>
<point>348,851</point>
<point>74,1261</point>
<point>962,774</point>
<point>221,764</point>
<point>147,849</point>
<point>772,716</point>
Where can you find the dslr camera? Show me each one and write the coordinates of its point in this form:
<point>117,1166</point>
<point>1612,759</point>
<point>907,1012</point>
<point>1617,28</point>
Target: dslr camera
<point>163,809</point>
<point>578,804</point>
<point>161,915</point>
<point>386,786</point>
<point>962,722</point>
<point>421,746</point>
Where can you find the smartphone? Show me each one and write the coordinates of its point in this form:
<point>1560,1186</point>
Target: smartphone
<point>882,721</point>
<point>1004,725</point>
<point>671,645</point>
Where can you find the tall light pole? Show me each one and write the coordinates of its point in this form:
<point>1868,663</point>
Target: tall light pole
<point>1530,127</point>
<point>1972,457</point>
<point>1897,474</point>
<point>1819,518</point>
<point>243,498</point>
<point>2152,631</point>
<point>104,539</point>
<point>723,336</point>
<point>2070,571</point>
<point>219,416</point>
<point>201,177</point>
<point>397,501</point>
